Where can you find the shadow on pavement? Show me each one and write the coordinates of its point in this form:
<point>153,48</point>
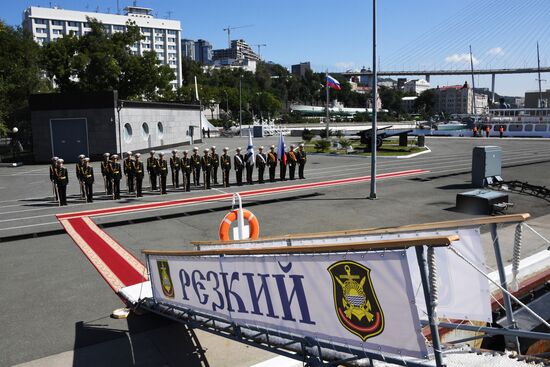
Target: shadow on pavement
<point>146,340</point>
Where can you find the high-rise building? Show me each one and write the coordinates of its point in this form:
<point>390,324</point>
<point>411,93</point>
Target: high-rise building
<point>203,52</point>
<point>300,69</point>
<point>188,49</point>
<point>533,100</point>
<point>160,35</point>
<point>239,50</point>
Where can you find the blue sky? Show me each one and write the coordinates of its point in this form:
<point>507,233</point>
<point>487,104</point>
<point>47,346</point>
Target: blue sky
<point>337,34</point>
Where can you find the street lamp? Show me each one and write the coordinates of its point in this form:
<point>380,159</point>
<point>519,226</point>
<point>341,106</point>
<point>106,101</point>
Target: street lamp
<point>14,142</point>
<point>240,104</point>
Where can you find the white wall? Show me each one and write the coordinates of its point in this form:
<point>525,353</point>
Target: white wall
<point>175,124</point>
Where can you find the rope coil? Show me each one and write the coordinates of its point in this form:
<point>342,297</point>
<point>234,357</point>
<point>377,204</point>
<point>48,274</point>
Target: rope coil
<point>516,256</point>
<point>432,278</point>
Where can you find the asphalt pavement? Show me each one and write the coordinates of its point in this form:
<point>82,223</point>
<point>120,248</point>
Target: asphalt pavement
<point>55,305</point>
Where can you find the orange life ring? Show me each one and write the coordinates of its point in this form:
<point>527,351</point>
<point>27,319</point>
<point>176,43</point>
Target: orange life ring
<point>253,224</point>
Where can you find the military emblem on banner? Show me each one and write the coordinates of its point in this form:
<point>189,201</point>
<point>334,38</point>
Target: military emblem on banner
<point>165,279</point>
<point>357,307</point>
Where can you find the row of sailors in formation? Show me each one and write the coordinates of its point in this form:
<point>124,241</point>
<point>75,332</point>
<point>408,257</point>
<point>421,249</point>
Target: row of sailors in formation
<point>157,168</point>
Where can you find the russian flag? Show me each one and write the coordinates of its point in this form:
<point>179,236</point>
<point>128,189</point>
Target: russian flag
<point>333,83</point>
<point>281,149</point>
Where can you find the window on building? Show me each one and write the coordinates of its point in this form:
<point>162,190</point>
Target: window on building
<point>57,31</point>
<point>127,133</point>
<point>41,30</point>
<point>145,131</point>
<point>159,39</point>
<point>40,21</point>
<point>171,39</point>
<point>120,28</point>
<point>146,30</point>
<point>171,47</point>
<point>159,47</point>
<point>57,22</point>
<point>160,130</point>
<point>75,33</point>
<point>172,62</point>
<point>73,24</point>
<point>147,38</point>
<point>86,25</point>
<point>171,32</point>
<point>146,45</point>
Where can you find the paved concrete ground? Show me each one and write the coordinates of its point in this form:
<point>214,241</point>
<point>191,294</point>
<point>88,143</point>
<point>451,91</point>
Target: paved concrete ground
<point>55,304</point>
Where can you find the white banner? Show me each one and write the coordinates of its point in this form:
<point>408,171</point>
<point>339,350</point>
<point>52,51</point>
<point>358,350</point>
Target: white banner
<point>456,278</point>
<point>363,301</point>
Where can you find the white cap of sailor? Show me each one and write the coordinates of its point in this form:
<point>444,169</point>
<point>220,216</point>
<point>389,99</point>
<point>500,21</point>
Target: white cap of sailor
<point>55,159</point>
<point>238,149</point>
<point>60,161</point>
<point>213,147</point>
<point>261,147</point>
<point>106,155</point>
<point>185,151</point>
<point>152,152</point>
<point>225,149</point>
<point>86,159</point>
<point>206,150</point>
<point>174,151</point>
<point>81,156</point>
<point>195,149</point>
<point>129,153</point>
<point>272,147</point>
<point>161,154</point>
<point>138,155</point>
<point>301,145</point>
<point>114,156</point>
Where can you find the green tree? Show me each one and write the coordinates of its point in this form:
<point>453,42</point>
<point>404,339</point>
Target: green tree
<point>20,76</point>
<point>98,61</point>
<point>425,103</point>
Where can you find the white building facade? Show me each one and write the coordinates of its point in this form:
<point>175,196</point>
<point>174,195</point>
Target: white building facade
<point>162,36</point>
<point>416,86</point>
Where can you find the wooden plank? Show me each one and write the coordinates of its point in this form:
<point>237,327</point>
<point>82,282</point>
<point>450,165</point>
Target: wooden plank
<point>461,223</point>
<point>398,243</point>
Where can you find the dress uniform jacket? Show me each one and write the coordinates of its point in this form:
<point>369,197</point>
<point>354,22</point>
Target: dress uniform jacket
<point>162,170</point>
<point>302,158</point>
<point>185,164</point>
<point>138,174</point>
<point>175,169</point>
<point>152,164</point>
<point>61,181</point>
<point>196,167</point>
<point>225,162</point>
<point>238,162</point>
<point>88,179</point>
<point>272,164</point>
<point>261,162</point>
<point>128,168</point>
<point>291,162</point>
<point>116,175</point>
<point>206,165</point>
<point>215,164</point>
<point>105,172</point>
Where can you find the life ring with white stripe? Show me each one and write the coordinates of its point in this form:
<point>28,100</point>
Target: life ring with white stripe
<point>232,216</point>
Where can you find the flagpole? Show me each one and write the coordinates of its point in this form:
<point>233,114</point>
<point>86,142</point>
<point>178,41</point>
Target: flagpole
<point>328,113</point>
<point>374,105</point>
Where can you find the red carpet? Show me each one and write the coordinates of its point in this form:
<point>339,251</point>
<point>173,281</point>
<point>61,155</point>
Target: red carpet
<point>119,267</point>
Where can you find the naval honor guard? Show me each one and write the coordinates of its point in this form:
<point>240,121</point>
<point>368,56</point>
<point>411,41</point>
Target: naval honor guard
<point>152,169</point>
<point>185,164</point>
<point>215,164</point>
<point>61,181</point>
<point>272,163</point>
<point>206,165</point>
<point>162,167</point>
<point>88,179</point>
<point>196,166</point>
<point>238,162</point>
<point>139,173</point>
<point>127,168</point>
<point>302,158</point>
<point>261,162</point>
<point>175,169</point>
<point>225,161</point>
<point>116,174</point>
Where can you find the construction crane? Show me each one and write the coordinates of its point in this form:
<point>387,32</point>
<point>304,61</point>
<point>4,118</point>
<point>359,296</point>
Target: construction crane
<point>229,29</point>
<point>260,45</point>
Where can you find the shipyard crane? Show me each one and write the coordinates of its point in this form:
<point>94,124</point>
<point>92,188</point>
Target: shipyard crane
<point>260,45</point>
<point>229,29</point>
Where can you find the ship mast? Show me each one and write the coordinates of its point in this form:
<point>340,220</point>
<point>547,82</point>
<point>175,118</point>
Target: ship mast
<point>473,86</point>
<point>541,102</point>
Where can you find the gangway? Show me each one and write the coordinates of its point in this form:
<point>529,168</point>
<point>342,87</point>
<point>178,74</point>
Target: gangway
<point>337,298</point>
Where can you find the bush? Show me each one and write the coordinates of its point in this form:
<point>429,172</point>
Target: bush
<point>307,135</point>
<point>339,134</point>
<point>322,145</point>
<point>345,143</point>
<point>323,134</point>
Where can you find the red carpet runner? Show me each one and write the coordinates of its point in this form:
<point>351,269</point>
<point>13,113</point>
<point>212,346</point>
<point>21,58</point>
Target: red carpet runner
<point>119,267</point>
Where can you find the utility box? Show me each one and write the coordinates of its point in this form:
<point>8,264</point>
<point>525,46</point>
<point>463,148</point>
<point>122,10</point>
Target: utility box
<point>258,131</point>
<point>480,201</point>
<point>486,165</point>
